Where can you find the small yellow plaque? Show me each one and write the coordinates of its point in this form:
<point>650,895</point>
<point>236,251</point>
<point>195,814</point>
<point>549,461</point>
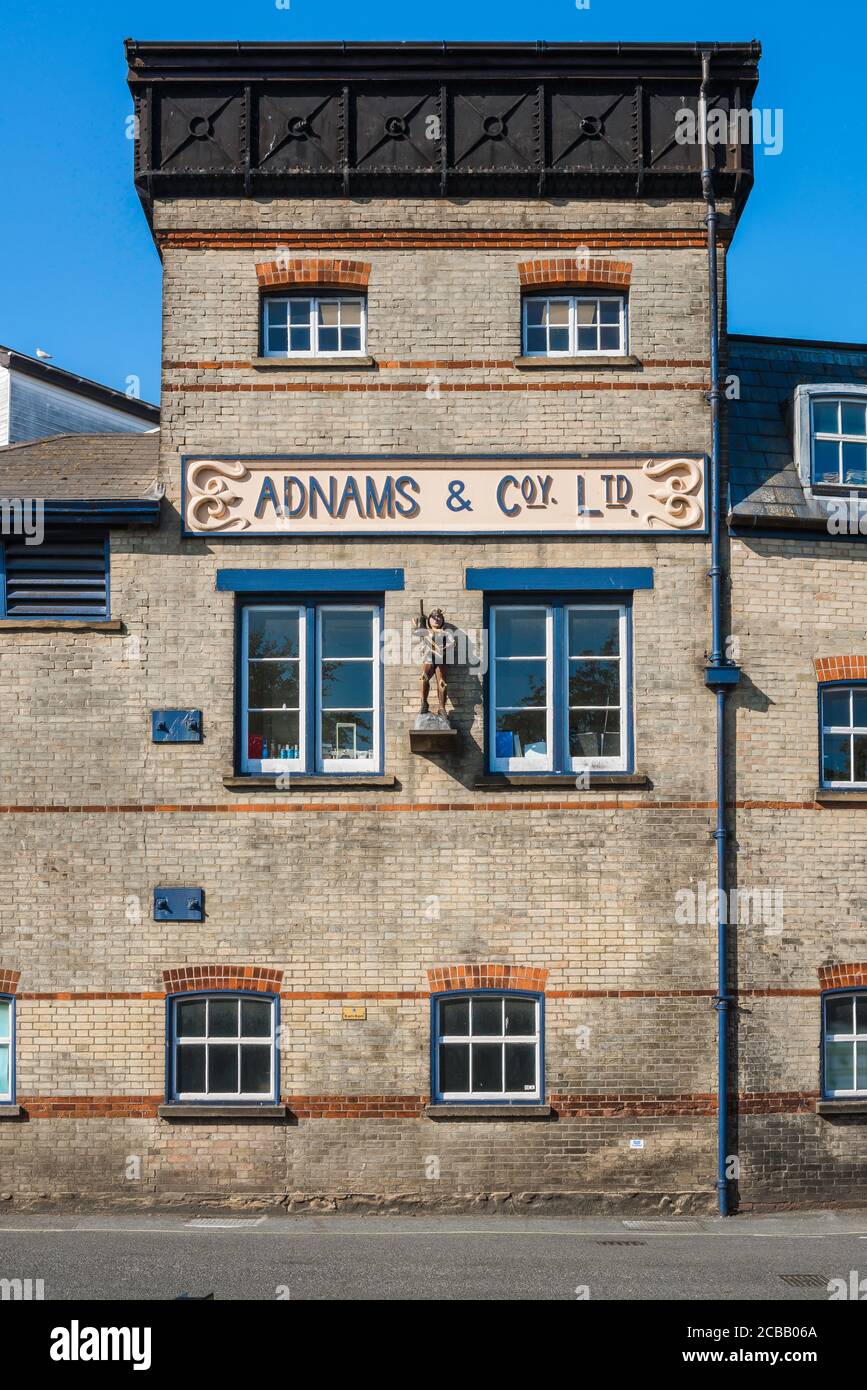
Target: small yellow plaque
<point>354,1011</point>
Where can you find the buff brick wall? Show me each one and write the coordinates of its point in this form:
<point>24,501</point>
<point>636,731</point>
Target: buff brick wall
<point>336,888</point>
<point>793,601</point>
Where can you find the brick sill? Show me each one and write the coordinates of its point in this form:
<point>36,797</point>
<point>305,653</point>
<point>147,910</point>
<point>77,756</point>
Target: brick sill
<point>222,1112</point>
<point>10,1112</point>
<point>313,364</point>
<point>830,797</point>
<point>488,1112</point>
<point>578,364</point>
<point>61,625</point>
<point>331,783</point>
<point>599,781</point>
<point>830,1108</point>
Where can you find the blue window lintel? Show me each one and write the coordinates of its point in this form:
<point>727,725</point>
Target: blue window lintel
<point>560,580</point>
<point>307,581</point>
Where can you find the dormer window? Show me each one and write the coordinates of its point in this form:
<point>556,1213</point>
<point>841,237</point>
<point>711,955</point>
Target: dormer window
<point>839,436</point>
<point>831,438</point>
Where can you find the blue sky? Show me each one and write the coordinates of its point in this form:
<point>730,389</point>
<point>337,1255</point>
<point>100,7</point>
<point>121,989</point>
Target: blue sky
<point>81,278</point>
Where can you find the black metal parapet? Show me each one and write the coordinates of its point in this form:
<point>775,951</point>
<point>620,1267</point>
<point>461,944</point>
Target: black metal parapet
<point>431,120</point>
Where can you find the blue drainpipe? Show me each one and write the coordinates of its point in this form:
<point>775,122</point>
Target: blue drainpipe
<point>721,675</point>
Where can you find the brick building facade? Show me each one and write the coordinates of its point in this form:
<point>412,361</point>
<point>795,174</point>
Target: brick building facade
<point>429,269</point>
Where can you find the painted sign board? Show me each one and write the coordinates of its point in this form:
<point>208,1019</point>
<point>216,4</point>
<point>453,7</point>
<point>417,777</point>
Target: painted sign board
<point>443,495</point>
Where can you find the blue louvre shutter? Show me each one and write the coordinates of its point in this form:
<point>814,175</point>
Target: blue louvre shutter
<point>64,577</point>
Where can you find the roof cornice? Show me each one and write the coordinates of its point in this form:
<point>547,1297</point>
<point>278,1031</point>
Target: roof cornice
<point>544,120</point>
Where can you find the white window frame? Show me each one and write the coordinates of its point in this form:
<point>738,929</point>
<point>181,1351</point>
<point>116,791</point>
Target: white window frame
<point>621,763</point>
<point>805,396</point>
<point>491,1097</point>
<point>854,1037</point>
<point>264,766</point>
<point>7,1040</point>
<point>841,730</point>
<point>314,302</point>
<point>522,764</point>
<point>573,300</point>
<point>206,1096</point>
<point>348,765</point>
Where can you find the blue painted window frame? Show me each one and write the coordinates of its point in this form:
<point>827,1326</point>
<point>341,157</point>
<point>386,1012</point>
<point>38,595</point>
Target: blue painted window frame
<point>73,614</point>
<point>857,788</point>
<point>10,1099</point>
<point>311,605</point>
<point>182,996</point>
<point>437,1097</point>
<point>826,1094</point>
<point>559,601</point>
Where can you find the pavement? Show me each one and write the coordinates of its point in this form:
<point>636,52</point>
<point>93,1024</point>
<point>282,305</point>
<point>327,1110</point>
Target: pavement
<point>266,1257</point>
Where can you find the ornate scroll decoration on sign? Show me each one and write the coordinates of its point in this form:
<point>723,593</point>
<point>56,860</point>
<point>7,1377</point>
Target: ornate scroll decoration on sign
<point>209,502</point>
<point>682,509</point>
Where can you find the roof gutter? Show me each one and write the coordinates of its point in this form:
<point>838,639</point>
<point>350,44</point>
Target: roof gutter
<point>104,511</point>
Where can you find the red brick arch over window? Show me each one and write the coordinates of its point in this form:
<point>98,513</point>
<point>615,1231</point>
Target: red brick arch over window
<point>454,977</point>
<point>188,979</point>
<point>841,668</point>
<point>843,976</point>
<point>572,271</point>
<point>9,981</point>
<point>309,271</point>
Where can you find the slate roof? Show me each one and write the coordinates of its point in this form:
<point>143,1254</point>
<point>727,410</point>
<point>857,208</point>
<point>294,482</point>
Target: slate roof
<point>78,467</point>
<point>764,485</point>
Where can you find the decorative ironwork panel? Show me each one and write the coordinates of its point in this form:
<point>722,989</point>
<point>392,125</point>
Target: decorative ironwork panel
<point>664,152</point>
<point>299,130</point>
<point>200,132</point>
<point>396,130</point>
<point>495,132</point>
<point>592,129</point>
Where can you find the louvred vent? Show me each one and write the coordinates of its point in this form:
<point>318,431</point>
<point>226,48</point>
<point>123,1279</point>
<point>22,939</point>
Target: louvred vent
<point>65,577</point>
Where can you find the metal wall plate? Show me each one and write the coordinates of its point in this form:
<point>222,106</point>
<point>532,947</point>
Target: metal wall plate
<point>176,725</point>
<point>179,904</point>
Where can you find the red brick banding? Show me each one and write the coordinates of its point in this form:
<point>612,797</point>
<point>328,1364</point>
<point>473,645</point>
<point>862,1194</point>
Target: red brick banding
<point>841,668</point>
<point>614,1106</point>
<point>435,238</point>
<point>406,995</point>
<point>563,271</point>
<point>88,995</point>
<point>313,270</point>
<point>267,808</point>
<point>91,1107</point>
<point>449,977</point>
<point>9,981</point>
<point>843,976</point>
<point>187,979</point>
<point>331,388</point>
<point>444,364</point>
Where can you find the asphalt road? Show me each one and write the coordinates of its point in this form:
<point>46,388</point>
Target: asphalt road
<point>271,1257</point>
